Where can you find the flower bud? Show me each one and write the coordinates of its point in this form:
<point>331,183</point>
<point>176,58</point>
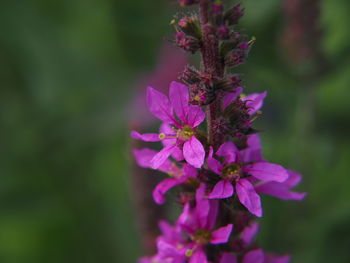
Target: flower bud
<point>190,75</point>
<point>235,58</point>
<point>228,84</point>
<point>223,32</point>
<point>201,94</point>
<point>186,42</point>
<point>231,43</point>
<point>190,26</point>
<point>233,15</point>
<point>240,139</point>
<point>235,80</point>
<point>246,45</point>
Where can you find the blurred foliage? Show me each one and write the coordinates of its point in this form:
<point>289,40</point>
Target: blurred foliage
<point>67,69</point>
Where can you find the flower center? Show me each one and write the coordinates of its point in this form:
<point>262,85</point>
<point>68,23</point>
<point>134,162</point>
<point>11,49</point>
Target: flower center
<point>202,236</point>
<point>185,133</point>
<point>232,172</point>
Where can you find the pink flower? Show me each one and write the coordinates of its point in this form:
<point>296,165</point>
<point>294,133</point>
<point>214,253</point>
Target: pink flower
<point>171,245</point>
<point>248,233</point>
<point>199,223</point>
<point>181,119</point>
<point>235,171</point>
<point>282,190</point>
<point>177,175</point>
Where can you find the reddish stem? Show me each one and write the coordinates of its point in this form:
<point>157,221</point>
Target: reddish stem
<point>212,66</point>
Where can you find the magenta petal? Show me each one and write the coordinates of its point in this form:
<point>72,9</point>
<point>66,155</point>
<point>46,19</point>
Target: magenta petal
<point>249,232</point>
<point>222,189</point>
<point>254,141</point>
<point>189,171</point>
<point>221,235</point>
<point>170,233</point>
<point>195,116</point>
<point>202,206</point>
<point>185,216</point>
<point>161,157</point>
<point>214,164</point>
<point>248,197</point>
<point>228,258</point>
<point>267,171</point>
<point>166,249</point>
<point>178,94</point>
<point>168,130</point>
<point>194,152</point>
<point>162,188</point>
<point>213,213</point>
<point>144,156</point>
<point>147,137</point>
<point>255,101</point>
<point>170,168</point>
<point>177,154</point>
<point>293,179</point>
<point>229,151</point>
<point>231,96</point>
<point>166,229</point>
<point>254,256</point>
<point>198,256</point>
<point>253,152</point>
<point>279,190</point>
<point>160,106</point>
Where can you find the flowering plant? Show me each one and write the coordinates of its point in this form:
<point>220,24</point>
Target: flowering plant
<point>218,167</point>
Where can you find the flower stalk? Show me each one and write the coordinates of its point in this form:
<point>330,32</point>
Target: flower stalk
<point>218,167</point>
<point>212,66</point>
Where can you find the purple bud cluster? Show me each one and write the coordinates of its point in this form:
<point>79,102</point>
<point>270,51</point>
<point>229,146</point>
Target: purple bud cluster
<point>218,168</point>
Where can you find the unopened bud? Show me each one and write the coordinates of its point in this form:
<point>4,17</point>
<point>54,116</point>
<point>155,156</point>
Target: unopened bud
<point>228,84</point>
<point>186,42</point>
<point>233,15</point>
<point>190,76</point>
<point>236,79</point>
<point>201,95</point>
<point>235,58</point>
<point>233,41</point>
<point>246,45</point>
<point>223,32</point>
<point>190,26</point>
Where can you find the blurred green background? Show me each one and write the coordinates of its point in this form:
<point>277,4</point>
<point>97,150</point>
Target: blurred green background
<point>68,71</point>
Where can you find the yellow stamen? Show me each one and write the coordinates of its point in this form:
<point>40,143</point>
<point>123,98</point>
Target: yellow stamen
<point>185,133</point>
<point>189,253</point>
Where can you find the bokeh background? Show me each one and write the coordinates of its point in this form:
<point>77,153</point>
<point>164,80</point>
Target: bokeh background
<point>69,72</point>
